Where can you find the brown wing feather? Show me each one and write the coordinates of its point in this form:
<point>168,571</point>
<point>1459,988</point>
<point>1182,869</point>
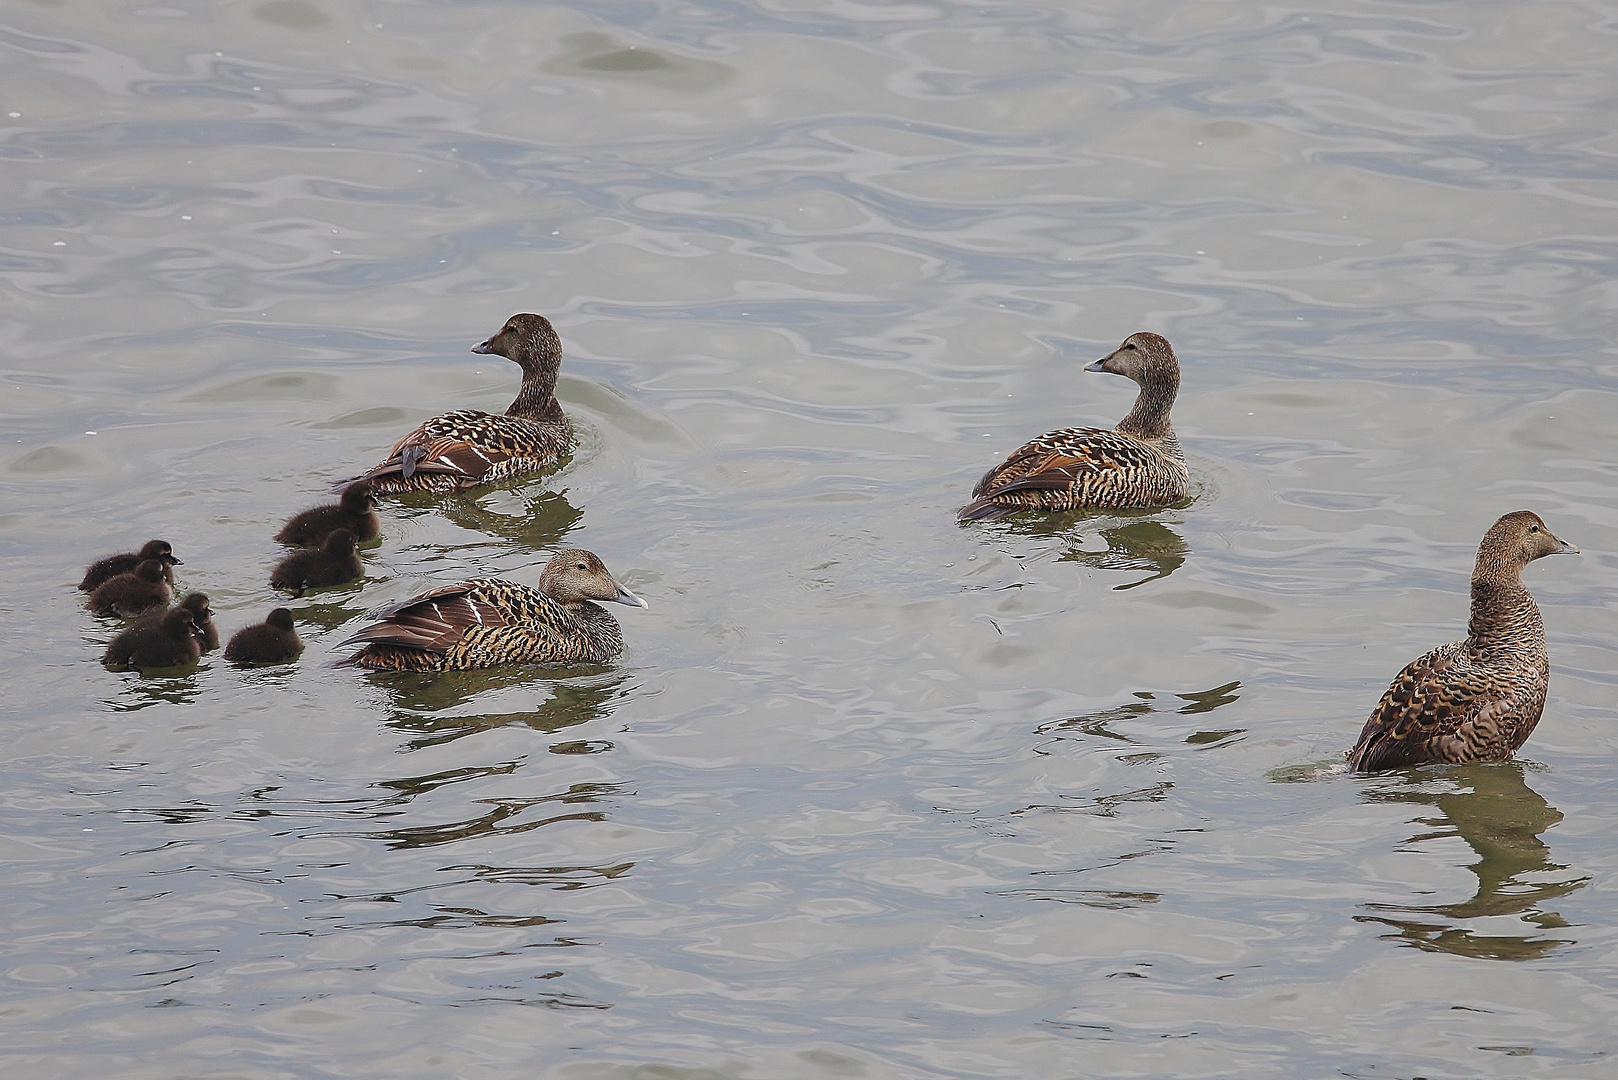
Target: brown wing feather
<point>1441,707</point>
<point>434,621</point>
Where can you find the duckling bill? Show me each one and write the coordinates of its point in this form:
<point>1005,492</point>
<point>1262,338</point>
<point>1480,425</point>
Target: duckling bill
<point>469,447</point>
<point>1477,699</point>
<point>487,622</point>
<point>1137,464</point>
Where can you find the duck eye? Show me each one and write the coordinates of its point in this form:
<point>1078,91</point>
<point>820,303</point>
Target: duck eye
<point>1533,528</point>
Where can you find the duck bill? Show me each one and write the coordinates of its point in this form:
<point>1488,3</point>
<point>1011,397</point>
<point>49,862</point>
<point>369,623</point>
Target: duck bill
<point>1565,549</point>
<point>626,597</point>
<point>485,347</point>
<point>1098,365</point>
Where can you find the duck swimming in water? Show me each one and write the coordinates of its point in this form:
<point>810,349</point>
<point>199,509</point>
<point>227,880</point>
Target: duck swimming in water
<point>355,511</point>
<point>135,593</point>
<point>1137,464</point>
<point>1478,699</point>
<point>157,641</point>
<point>202,615</point>
<point>273,641</point>
<point>113,565</point>
<point>486,622</point>
<point>336,562</point>
<point>469,447</point>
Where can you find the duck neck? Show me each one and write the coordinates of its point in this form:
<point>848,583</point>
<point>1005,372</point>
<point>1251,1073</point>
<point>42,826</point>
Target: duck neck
<point>1505,618</point>
<point>537,398</point>
<point>1149,419</point>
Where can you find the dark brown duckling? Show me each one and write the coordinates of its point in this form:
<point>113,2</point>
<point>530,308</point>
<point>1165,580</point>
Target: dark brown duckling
<point>202,615</point>
<point>469,447</point>
<point>157,641</point>
<point>486,622</point>
<point>113,565</point>
<point>356,512</point>
<point>1478,699</point>
<point>1137,464</point>
<point>135,593</point>
<point>336,562</point>
<point>273,641</point>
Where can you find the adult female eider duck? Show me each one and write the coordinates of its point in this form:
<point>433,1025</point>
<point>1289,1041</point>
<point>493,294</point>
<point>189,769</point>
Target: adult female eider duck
<point>1478,699</point>
<point>157,641</point>
<point>336,562</point>
<point>465,448</point>
<point>489,621</point>
<point>273,641</point>
<point>202,615</point>
<point>355,511</point>
<point>135,593</point>
<point>1136,464</point>
<point>113,565</point>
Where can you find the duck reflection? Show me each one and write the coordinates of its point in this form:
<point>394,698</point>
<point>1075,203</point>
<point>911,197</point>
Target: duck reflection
<point>1149,546</point>
<point>1500,817</point>
<point>514,511</point>
<point>142,691</point>
<point>422,704</point>
<point>1101,725</point>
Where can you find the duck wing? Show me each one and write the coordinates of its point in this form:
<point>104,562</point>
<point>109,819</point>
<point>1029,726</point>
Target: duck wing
<point>1060,459</point>
<point>1444,707</point>
<point>437,620</point>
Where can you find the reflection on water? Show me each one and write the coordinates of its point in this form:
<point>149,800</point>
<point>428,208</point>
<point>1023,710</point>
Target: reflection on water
<point>1493,809</point>
<point>1101,725</point>
<point>420,702</point>
<point>1138,545</point>
<point>505,815</point>
<point>523,514</point>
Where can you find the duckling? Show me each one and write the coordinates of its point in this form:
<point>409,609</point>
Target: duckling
<point>113,565</point>
<point>356,512</point>
<point>202,615</point>
<point>157,641</point>
<point>465,448</point>
<point>336,562</point>
<point>1137,464</point>
<point>1478,699</point>
<point>273,641</point>
<point>134,593</point>
<point>485,622</point>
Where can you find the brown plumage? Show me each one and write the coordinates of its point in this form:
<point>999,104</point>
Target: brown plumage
<point>157,641</point>
<point>336,562</point>
<point>355,511</point>
<point>1136,464</point>
<point>202,614</point>
<point>1478,699</point>
<point>273,641</point>
<point>486,622</point>
<point>113,565</point>
<point>469,447</point>
<point>135,593</point>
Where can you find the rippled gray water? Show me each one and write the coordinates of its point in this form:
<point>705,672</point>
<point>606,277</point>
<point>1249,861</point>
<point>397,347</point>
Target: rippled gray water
<point>870,794</point>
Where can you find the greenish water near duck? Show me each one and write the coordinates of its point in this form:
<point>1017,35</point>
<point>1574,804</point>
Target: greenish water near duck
<point>870,793</point>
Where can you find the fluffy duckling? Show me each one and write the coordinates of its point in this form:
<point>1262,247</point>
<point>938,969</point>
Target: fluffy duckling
<point>202,615</point>
<point>1137,464</point>
<point>489,621</point>
<point>273,641</point>
<point>465,448</point>
<point>1478,699</point>
<point>157,641</point>
<point>336,562</point>
<point>135,593</point>
<point>356,512</point>
<point>113,565</point>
